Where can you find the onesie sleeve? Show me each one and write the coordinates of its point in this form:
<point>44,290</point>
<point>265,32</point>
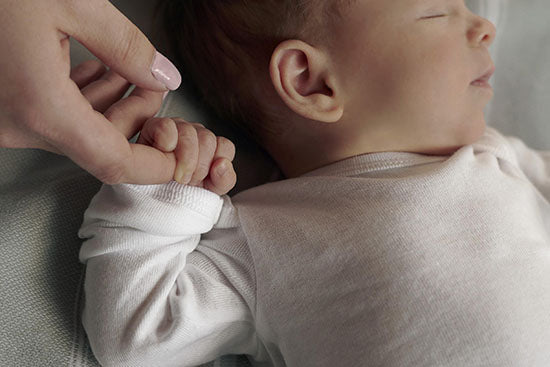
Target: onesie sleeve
<point>535,164</point>
<point>156,294</point>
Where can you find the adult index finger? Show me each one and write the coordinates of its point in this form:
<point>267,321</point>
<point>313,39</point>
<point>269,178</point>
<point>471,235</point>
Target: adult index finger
<point>116,41</point>
<point>94,143</point>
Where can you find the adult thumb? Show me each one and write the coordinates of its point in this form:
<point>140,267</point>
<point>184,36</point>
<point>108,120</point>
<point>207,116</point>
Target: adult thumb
<point>115,40</point>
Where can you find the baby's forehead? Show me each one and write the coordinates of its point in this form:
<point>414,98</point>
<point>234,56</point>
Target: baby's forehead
<point>375,6</point>
<point>371,9</point>
<point>404,4</point>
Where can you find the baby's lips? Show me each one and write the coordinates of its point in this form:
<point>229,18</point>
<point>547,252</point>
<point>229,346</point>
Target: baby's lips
<point>484,78</point>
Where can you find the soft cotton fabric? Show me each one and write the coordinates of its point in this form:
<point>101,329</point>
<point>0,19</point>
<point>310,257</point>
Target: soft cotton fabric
<point>386,259</point>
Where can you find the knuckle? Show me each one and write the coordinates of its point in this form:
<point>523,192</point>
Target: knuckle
<point>149,100</point>
<point>226,146</point>
<point>128,46</point>
<point>179,120</point>
<point>201,172</point>
<point>160,123</point>
<point>151,123</point>
<point>197,125</point>
<point>165,124</point>
<point>111,174</point>
<point>114,169</point>
<point>161,128</point>
<point>112,80</point>
<point>88,67</point>
<point>223,184</point>
<point>144,105</point>
<point>114,112</point>
<point>207,137</point>
<point>187,133</point>
<point>92,66</point>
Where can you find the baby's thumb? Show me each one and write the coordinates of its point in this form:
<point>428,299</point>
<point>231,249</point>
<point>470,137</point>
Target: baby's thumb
<point>116,41</point>
<point>222,177</point>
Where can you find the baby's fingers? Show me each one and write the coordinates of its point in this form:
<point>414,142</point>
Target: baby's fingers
<point>187,152</point>
<point>222,177</point>
<point>207,149</point>
<point>161,133</point>
<point>224,149</point>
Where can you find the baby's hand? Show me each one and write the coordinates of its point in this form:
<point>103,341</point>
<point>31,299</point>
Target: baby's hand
<point>202,158</point>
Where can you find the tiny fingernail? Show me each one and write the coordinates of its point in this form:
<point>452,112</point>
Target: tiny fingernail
<point>181,176</point>
<point>164,95</point>
<point>222,169</point>
<point>187,177</point>
<point>165,72</point>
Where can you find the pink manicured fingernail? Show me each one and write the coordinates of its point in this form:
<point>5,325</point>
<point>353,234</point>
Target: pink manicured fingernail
<point>165,72</point>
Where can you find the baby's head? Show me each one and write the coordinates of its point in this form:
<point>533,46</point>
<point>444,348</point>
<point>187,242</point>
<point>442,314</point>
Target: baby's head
<point>316,81</point>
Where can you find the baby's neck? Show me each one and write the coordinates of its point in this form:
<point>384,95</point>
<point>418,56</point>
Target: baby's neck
<point>298,153</point>
<point>296,162</point>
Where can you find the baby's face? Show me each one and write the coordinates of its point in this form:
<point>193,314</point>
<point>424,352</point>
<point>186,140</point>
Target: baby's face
<point>408,69</point>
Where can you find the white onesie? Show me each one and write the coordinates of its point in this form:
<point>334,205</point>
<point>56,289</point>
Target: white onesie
<point>385,259</point>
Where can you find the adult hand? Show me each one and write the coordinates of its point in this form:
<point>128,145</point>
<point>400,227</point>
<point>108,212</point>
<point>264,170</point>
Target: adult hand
<point>42,107</point>
<point>187,152</point>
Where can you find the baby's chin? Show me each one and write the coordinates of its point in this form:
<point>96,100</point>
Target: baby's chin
<point>466,135</point>
<point>474,131</point>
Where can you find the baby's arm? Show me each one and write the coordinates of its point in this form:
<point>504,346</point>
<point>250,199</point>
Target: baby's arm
<point>155,294</point>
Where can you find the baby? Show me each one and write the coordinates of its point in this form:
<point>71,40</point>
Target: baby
<point>406,232</point>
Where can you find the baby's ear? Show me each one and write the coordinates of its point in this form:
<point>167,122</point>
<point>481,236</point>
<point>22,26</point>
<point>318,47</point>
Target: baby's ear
<point>302,78</point>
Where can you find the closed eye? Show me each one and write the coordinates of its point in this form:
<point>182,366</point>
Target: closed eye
<point>435,16</point>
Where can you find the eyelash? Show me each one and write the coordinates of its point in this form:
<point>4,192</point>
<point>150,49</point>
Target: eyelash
<point>435,16</point>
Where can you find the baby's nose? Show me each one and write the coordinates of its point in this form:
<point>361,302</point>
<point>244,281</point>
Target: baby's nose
<point>482,32</point>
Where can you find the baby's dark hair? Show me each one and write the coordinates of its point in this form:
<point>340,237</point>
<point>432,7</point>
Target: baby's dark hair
<point>223,47</point>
